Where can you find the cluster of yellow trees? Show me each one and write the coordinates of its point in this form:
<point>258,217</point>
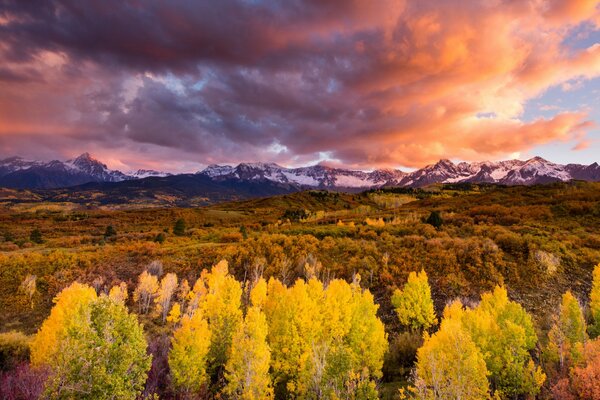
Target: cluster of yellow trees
<point>486,351</point>
<point>308,340</point>
<point>311,340</point>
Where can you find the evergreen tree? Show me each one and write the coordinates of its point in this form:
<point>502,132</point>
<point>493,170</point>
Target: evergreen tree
<point>110,232</point>
<point>36,236</point>
<point>179,227</point>
<point>160,238</point>
<point>435,219</point>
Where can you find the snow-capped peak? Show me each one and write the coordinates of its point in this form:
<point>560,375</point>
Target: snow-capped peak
<point>145,173</point>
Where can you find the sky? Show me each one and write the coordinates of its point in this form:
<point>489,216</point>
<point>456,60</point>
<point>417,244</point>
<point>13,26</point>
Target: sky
<point>175,85</point>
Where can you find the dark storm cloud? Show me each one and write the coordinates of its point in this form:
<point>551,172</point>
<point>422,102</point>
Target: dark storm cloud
<point>383,82</point>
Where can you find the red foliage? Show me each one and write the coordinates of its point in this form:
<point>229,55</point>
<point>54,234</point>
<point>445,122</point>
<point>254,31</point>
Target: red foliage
<point>22,383</point>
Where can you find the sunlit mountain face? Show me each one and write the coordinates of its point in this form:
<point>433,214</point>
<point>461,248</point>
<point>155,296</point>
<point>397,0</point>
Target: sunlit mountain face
<point>175,86</point>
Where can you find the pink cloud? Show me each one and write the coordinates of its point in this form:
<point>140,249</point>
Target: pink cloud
<point>371,83</point>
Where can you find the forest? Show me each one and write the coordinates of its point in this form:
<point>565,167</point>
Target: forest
<point>448,292</point>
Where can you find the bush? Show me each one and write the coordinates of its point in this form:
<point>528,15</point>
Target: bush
<point>14,349</point>
<point>231,237</point>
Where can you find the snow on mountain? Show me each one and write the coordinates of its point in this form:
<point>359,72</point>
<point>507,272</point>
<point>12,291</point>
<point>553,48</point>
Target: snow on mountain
<point>146,173</point>
<point>510,172</point>
<point>16,172</point>
<point>94,168</point>
<point>214,170</point>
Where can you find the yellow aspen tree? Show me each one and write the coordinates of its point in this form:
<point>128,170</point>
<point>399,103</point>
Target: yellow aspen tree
<point>568,335</point>
<point>70,306</point>
<point>102,355</point>
<point>29,287</point>
<point>247,369</point>
<point>145,291</point>
<point>168,287</point>
<point>449,364</point>
<point>594,328</point>
<point>294,318</point>
<point>367,337</point>
<point>354,340</point>
<point>218,296</point>
<point>118,293</point>
<point>504,333</point>
<point>175,314</point>
<point>413,303</point>
<point>188,357</point>
<point>183,293</point>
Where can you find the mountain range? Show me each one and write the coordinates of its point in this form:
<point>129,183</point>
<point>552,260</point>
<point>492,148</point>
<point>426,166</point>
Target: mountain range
<point>86,176</point>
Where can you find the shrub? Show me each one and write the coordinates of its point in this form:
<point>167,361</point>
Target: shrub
<point>14,349</point>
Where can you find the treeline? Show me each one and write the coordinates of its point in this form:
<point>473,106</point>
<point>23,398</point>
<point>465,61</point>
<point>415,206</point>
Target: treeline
<point>311,340</point>
<point>491,350</point>
<point>257,340</point>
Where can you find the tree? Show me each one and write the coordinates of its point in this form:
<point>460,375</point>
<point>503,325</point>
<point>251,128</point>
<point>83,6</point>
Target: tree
<point>155,268</point>
<point>29,287</point>
<point>325,342</point>
<point>435,219</point>
<point>160,238</point>
<point>36,236</point>
<point>218,296</point>
<point>594,328</point>
<point>413,304</point>
<point>247,370</point>
<point>582,382</point>
<point>71,305</point>
<point>110,232</point>
<point>294,317</point>
<point>568,333</point>
<point>102,355</point>
<point>168,286</point>
<point>449,364</point>
<point>179,227</point>
<point>504,333</point>
<point>175,314</point>
<point>188,357</point>
<point>145,291</point>
<point>118,293</point>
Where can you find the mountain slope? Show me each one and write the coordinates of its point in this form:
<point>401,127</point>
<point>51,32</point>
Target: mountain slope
<point>270,178</point>
<point>18,173</point>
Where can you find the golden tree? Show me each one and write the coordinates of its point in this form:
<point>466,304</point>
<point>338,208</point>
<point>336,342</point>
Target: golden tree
<point>449,364</point>
<point>168,286</point>
<point>188,357</point>
<point>413,303</point>
<point>145,291</point>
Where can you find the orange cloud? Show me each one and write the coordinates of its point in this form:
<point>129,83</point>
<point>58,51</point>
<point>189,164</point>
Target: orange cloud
<point>371,83</point>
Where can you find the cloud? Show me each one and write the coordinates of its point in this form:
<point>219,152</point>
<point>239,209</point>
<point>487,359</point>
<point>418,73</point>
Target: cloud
<point>368,83</point>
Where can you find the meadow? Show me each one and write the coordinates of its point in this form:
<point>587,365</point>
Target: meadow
<point>536,242</point>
